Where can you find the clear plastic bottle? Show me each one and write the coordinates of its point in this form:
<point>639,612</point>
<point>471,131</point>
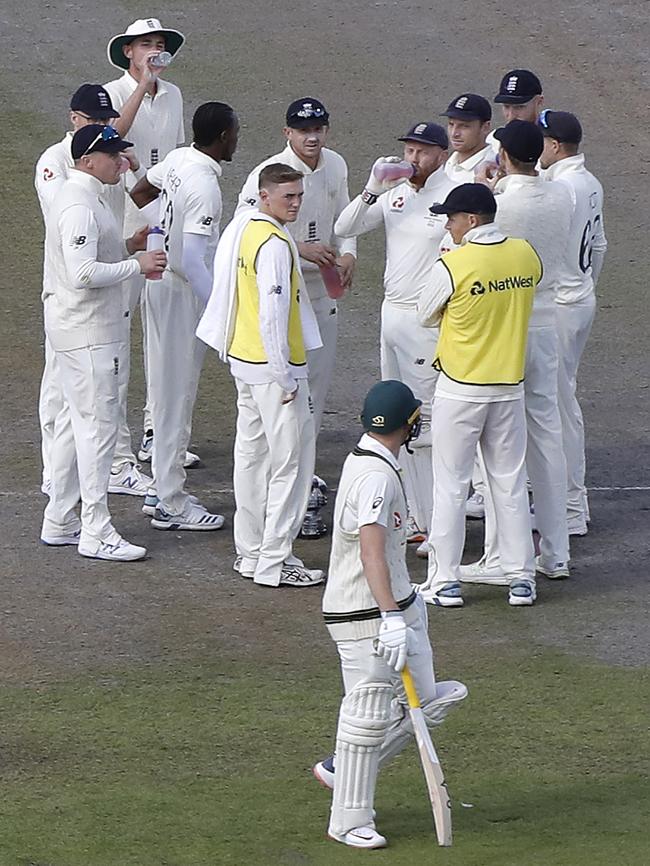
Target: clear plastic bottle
<point>332,280</point>
<point>161,60</point>
<point>155,241</point>
<point>393,170</point>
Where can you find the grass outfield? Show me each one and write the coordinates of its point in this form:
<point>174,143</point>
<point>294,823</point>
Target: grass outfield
<point>189,766</point>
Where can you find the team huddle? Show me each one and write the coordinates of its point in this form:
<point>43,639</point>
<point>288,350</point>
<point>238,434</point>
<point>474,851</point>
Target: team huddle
<point>494,245</point>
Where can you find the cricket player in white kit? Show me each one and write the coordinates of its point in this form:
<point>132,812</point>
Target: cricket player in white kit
<point>84,323</point>
<point>576,296</point>
<point>190,215</point>
<point>325,179</point>
<point>376,618</point>
<point>483,293</point>
<point>153,108</point>
<point>538,211</point>
<point>413,237</point>
<point>89,104</point>
<point>468,126</point>
<point>259,318</point>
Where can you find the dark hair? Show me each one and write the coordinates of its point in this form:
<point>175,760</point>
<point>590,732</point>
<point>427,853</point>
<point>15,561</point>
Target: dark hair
<point>519,164</point>
<point>211,120</point>
<point>277,173</point>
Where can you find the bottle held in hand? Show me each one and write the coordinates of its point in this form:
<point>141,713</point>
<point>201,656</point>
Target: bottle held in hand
<point>332,280</point>
<point>393,170</point>
<point>160,61</point>
<point>155,241</point>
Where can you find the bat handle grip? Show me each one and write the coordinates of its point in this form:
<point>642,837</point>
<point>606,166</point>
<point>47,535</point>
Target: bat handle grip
<point>409,688</point>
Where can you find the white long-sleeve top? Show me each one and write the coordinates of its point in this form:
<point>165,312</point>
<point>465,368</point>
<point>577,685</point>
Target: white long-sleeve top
<point>84,267</point>
<point>413,234</point>
<point>156,130</point>
<point>325,196</point>
<point>431,308</point>
<point>538,211</point>
<point>465,171</point>
<point>587,243</point>
<point>274,265</point>
<point>190,204</point>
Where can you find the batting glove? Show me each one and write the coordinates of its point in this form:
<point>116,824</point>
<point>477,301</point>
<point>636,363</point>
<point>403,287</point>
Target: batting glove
<point>391,643</point>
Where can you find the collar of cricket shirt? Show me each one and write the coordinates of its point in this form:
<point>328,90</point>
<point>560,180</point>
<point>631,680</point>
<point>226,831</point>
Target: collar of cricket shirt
<point>369,443</point>
<point>203,159</point>
<point>471,162</point>
<point>82,178</point>
<point>161,86</point>
<point>562,166</point>
<point>294,161</point>
<point>513,181</point>
<point>485,234</point>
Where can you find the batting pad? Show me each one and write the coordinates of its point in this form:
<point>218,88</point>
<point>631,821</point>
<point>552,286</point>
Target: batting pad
<point>448,694</point>
<point>363,721</point>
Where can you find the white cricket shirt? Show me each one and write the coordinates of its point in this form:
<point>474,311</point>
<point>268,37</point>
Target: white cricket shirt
<point>156,129</point>
<point>587,242</point>
<point>190,202</point>
<point>413,234</point>
<point>326,195</point>
<point>465,171</point>
<point>84,271</point>
<point>538,211</point>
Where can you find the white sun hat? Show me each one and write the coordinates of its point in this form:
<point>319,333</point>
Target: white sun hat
<point>173,40</point>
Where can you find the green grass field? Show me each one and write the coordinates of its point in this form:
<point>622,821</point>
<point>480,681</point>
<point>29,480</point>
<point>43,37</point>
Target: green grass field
<point>181,767</point>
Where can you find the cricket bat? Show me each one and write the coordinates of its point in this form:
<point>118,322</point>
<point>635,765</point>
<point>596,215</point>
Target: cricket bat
<point>438,793</point>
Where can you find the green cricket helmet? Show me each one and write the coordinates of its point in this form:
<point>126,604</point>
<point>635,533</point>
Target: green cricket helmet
<point>388,406</point>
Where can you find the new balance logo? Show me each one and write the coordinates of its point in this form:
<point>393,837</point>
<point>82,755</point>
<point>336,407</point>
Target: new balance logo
<point>79,241</point>
<point>206,221</point>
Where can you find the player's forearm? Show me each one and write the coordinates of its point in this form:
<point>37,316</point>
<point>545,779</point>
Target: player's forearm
<point>91,274</point>
<point>434,297</point>
<point>130,108</point>
<point>358,218</point>
<point>144,192</point>
<point>196,271</point>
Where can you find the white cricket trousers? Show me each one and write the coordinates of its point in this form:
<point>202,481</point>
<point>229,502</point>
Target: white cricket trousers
<point>499,428</point>
<point>574,323</point>
<point>360,666</point>
<point>136,296</point>
<point>545,459</point>
<point>321,361</point>
<point>85,431</point>
<point>51,401</point>
<point>273,468</point>
<point>174,361</point>
<point>407,354</point>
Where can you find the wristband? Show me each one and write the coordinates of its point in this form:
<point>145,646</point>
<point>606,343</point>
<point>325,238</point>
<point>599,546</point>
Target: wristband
<point>368,197</point>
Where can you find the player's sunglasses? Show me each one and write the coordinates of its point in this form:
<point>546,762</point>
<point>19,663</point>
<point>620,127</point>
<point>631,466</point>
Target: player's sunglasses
<point>542,119</point>
<point>311,112</point>
<point>108,133</point>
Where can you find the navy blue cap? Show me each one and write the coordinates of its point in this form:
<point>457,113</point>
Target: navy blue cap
<point>522,140</point>
<point>94,138</point>
<point>467,198</point>
<point>518,87</point>
<point>469,106</point>
<point>93,101</point>
<point>307,112</point>
<point>427,133</point>
<point>560,125</point>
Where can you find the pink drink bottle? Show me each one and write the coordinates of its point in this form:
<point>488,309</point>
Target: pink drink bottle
<point>332,280</point>
<point>155,241</point>
<point>393,170</point>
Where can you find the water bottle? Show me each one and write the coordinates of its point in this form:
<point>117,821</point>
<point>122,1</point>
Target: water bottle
<point>393,170</point>
<point>332,280</point>
<point>161,60</point>
<point>155,241</point>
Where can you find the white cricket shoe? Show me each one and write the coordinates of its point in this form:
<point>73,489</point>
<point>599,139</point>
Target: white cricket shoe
<point>478,572</point>
<point>62,538</point>
<point>521,593</point>
<point>193,518</point>
<point>553,570</point>
<point>299,576</point>
<point>324,772</point>
<point>146,449</point>
<point>475,507</point>
<point>361,837</point>
<point>414,535</point>
<point>121,551</point>
<point>129,480</point>
<point>448,595</point>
